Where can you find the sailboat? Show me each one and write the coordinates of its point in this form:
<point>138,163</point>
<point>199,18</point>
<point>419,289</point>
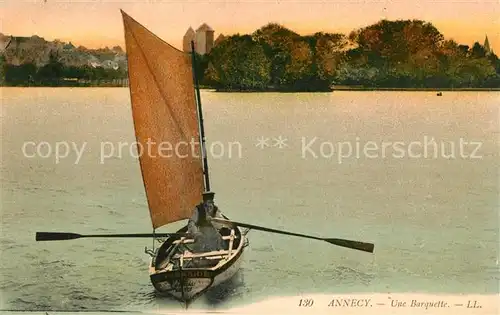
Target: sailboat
<point>166,110</point>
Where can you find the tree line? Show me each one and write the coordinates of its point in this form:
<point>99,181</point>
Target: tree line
<point>387,54</point>
<point>56,73</point>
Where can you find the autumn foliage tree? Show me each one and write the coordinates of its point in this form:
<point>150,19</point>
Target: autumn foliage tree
<point>413,53</point>
<point>238,63</point>
<point>275,58</point>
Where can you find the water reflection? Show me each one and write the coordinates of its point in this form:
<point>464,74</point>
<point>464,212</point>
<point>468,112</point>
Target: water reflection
<point>217,296</point>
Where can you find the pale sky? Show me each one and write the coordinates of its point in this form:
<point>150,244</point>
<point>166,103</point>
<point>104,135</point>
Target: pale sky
<point>97,23</point>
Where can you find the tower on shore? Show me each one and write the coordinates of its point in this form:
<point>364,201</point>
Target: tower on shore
<point>186,40</point>
<point>203,39</point>
<point>486,46</point>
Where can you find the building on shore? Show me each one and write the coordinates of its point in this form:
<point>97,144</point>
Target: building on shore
<point>203,39</point>
<point>186,40</point>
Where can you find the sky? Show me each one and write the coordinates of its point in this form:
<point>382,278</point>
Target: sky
<point>98,23</point>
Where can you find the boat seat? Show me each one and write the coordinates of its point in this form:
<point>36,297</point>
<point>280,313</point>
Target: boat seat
<point>190,255</point>
<point>207,257</point>
<point>216,257</point>
<point>190,241</point>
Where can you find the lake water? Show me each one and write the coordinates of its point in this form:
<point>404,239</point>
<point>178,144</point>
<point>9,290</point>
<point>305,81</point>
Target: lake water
<point>433,216</point>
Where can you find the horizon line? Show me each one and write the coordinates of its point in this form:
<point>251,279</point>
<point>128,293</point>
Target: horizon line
<point>121,43</point>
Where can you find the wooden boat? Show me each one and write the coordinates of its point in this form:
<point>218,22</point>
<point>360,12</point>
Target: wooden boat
<point>175,270</point>
<point>164,108</point>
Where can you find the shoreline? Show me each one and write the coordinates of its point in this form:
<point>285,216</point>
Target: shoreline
<point>355,88</point>
<point>343,88</point>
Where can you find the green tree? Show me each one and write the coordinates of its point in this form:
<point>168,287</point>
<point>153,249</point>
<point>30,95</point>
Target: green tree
<point>465,67</point>
<point>51,73</point>
<point>23,74</point>
<point>478,51</point>
<point>3,66</point>
<point>404,51</point>
<point>278,43</point>
<point>330,54</point>
<point>299,71</point>
<point>238,63</point>
<point>474,72</point>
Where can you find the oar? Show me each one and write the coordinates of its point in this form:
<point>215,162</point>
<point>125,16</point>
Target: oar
<point>366,247</point>
<point>62,236</point>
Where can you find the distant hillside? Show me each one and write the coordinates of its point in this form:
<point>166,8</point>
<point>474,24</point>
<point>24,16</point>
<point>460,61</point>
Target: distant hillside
<point>36,50</point>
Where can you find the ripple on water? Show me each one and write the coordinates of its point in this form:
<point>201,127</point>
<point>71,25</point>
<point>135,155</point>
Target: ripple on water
<point>351,275</point>
<point>101,206</point>
<point>24,286</point>
<point>30,256</point>
<point>143,297</point>
<point>23,303</point>
<point>115,213</point>
<point>266,249</point>
<point>53,262</point>
<point>137,262</point>
<point>82,296</point>
<point>8,284</point>
<point>15,246</point>
<point>102,229</point>
<point>7,241</point>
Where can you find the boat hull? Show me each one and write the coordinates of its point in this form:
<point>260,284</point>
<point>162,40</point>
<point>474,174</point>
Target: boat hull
<point>186,284</point>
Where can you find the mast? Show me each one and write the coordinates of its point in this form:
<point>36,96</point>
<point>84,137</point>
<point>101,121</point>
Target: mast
<point>200,115</point>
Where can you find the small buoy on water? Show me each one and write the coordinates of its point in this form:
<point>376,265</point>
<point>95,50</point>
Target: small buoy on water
<point>439,94</point>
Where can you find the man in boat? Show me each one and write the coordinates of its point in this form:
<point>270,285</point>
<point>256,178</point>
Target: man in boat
<point>206,235</point>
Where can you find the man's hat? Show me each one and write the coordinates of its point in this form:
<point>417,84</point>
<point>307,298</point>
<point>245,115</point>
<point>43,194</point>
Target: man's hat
<point>208,196</point>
